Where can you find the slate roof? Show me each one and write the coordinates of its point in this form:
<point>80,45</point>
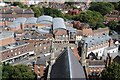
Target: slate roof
<point>42,60</point>
<point>67,66</point>
<point>6,34</point>
<point>117,59</point>
<point>42,31</point>
<point>96,40</point>
<point>20,20</point>
<point>71,29</point>
<point>14,25</point>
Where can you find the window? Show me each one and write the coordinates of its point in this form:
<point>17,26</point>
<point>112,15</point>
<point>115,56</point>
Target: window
<point>38,66</point>
<point>19,52</point>
<point>90,73</point>
<point>15,53</point>
<point>40,44</point>
<point>38,71</point>
<point>44,47</point>
<point>8,56</point>
<point>11,50</point>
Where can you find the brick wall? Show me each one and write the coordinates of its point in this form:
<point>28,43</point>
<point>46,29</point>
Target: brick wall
<point>7,41</point>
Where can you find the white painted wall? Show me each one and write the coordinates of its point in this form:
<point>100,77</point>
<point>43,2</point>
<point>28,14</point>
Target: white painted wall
<point>100,51</point>
<point>114,50</point>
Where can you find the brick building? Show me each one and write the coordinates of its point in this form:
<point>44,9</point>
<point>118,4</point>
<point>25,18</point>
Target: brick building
<point>113,16</point>
<point>84,30</point>
<point>9,14</point>
<point>96,53</point>
<point>6,38</point>
<point>11,50</point>
<point>95,68</point>
<point>40,66</point>
<point>15,52</point>
<point>74,11</point>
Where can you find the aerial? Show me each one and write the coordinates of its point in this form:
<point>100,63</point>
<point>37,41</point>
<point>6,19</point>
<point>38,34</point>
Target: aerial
<point>59,39</point>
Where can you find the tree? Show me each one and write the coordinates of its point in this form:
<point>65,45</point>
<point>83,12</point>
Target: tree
<point>112,25</point>
<point>17,72</point>
<point>99,25</point>
<point>102,7</point>
<point>67,16</point>
<point>53,12</point>
<point>91,17</point>
<point>112,72</point>
<point>20,5</point>
<point>37,11</point>
<point>116,5</point>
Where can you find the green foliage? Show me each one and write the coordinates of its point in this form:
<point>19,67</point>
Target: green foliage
<point>69,17</point>
<point>53,12</point>
<point>17,72</point>
<point>102,7</point>
<point>37,11</point>
<point>20,5</point>
<point>112,25</point>
<point>99,25</point>
<point>112,72</point>
<point>92,17</point>
<point>116,5</point>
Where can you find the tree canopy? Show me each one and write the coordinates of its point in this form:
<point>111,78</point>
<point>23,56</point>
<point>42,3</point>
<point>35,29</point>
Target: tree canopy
<point>116,5</point>
<point>17,72</point>
<point>52,12</point>
<point>93,18</point>
<point>102,7</point>
<point>112,72</point>
<point>19,4</point>
<point>112,25</point>
<point>37,11</point>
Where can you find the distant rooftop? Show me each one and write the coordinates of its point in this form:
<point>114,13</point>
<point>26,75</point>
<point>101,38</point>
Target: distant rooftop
<point>44,18</point>
<point>6,34</point>
<point>58,23</point>
<point>31,20</point>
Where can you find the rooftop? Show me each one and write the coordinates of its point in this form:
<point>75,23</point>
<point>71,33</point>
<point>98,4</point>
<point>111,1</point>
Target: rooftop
<point>91,41</point>
<point>96,63</point>
<point>10,10</point>
<point>6,34</point>
<point>67,66</point>
<point>58,23</point>
<point>31,20</point>
<point>44,18</point>
<point>12,46</point>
